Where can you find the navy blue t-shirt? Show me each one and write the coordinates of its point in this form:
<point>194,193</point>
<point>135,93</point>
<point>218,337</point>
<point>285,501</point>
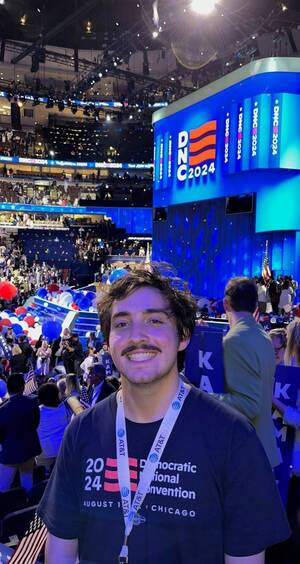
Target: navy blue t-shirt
<point>213,492</point>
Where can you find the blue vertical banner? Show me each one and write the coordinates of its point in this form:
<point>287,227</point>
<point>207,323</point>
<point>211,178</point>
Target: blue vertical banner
<point>161,160</point>
<point>154,164</point>
<point>246,147</point>
<point>204,360</point>
<point>255,132</point>
<point>286,389</point>
<point>233,127</point>
<point>275,128</point>
<point>264,130</point>
<point>170,160</point>
<point>166,160</point>
<point>239,137</point>
<point>290,132</point>
<point>227,139</point>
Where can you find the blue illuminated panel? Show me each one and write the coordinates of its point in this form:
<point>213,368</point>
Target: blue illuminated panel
<point>134,220</point>
<point>74,164</point>
<point>244,138</point>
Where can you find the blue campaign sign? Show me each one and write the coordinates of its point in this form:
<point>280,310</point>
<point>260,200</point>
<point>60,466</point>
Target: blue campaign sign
<point>287,383</point>
<point>204,359</point>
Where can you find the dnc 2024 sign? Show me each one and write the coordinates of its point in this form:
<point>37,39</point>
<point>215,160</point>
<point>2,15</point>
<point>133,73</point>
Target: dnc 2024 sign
<point>196,153</point>
<point>200,150</point>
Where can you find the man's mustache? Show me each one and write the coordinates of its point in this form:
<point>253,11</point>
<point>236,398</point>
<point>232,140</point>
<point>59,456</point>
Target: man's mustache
<point>133,348</point>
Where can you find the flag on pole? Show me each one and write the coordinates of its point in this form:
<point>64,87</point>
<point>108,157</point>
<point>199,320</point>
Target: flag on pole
<point>32,544</point>
<point>30,383</point>
<point>266,271</point>
<point>84,397</point>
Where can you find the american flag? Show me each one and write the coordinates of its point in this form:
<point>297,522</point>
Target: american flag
<point>30,383</point>
<point>266,271</point>
<point>84,397</point>
<point>31,544</point>
<point>256,315</point>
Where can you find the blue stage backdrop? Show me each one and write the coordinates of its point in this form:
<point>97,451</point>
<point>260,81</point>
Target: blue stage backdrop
<point>208,247</point>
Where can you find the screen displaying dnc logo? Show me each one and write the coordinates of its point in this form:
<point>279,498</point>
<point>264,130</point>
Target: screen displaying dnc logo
<point>196,151</point>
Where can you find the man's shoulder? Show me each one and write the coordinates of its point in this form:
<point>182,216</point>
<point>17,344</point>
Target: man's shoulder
<point>245,329</point>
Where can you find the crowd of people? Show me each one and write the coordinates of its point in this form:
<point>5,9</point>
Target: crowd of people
<point>276,295</point>
<point>27,278</point>
<point>67,380</point>
<point>137,332</point>
<point>115,190</point>
<point>117,142</point>
<point>46,194</point>
<point>21,144</point>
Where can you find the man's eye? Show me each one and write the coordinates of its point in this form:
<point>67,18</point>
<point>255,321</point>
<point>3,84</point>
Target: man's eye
<point>155,321</point>
<point>120,324</point>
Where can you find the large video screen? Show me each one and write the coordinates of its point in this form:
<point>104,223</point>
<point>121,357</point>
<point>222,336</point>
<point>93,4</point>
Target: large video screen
<point>213,147</point>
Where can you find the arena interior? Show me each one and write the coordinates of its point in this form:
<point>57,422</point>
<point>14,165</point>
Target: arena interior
<point>146,136</point>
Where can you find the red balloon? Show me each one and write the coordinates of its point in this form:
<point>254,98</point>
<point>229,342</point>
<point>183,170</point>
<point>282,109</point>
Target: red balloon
<point>20,310</point>
<point>75,306</point>
<point>29,320</point>
<point>7,290</point>
<point>6,322</point>
<point>53,288</point>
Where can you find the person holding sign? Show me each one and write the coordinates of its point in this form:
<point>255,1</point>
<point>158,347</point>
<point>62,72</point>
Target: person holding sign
<point>249,363</point>
<point>159,472</point>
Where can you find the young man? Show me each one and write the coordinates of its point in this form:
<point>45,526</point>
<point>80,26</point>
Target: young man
<point>249,362</point>
<point>159,469</point>
<point>99,386</point>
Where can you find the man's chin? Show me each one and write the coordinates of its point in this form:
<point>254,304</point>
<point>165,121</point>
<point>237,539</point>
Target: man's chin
<point>141,379</point>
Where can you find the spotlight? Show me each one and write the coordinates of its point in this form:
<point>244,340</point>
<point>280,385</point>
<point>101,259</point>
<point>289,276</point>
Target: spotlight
<point>203,7</point>
<point>88,27</point>
<point>155,34</point>
<point>23,19</point>
<point>284,7</point>
<point>51,153</point>
<point>108,118</point>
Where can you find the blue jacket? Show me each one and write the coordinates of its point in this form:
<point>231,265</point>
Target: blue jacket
<point>19,419</point>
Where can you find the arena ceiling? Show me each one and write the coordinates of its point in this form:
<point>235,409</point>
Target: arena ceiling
<point>227,37</point>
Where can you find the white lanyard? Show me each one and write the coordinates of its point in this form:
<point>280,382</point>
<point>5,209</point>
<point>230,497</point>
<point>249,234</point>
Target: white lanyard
<point>130,509</point>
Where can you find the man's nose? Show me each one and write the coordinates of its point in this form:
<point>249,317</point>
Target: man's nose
<point>138,331</point>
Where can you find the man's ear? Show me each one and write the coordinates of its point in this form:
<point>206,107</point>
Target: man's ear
<point>226,305</point>
<point>184,343</point>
